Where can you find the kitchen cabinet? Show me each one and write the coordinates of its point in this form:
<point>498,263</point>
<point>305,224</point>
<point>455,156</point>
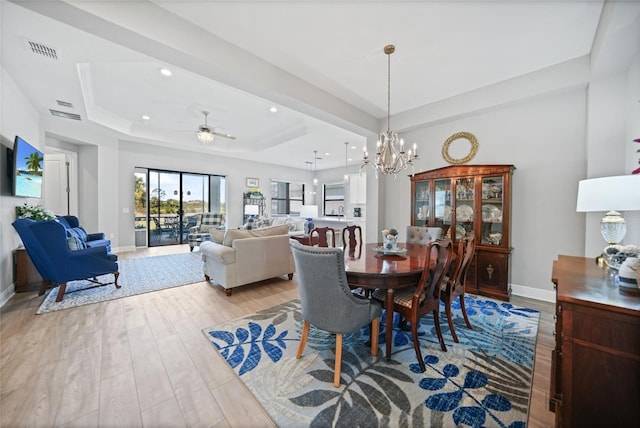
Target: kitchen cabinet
<point>358,188</point>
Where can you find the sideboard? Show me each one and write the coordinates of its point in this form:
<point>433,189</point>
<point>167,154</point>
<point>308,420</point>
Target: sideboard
<point>595,366</point>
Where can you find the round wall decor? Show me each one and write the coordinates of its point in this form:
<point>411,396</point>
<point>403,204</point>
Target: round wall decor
<point>467,136</point>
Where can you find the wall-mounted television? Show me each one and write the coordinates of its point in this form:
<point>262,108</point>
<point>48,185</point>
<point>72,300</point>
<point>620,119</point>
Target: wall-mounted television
<point>27,169</point>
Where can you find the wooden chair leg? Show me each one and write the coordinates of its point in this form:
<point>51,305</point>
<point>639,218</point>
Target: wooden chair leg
<point>464,311</point>
<point>436,320</point>
<point>416,345</point>
<point>447,306</point>
<point>43,287</point>
<point>336,375</point>
<point>303,338</point>
<point>61,290</point>
<point>115,279</point>
<point>375,329</point>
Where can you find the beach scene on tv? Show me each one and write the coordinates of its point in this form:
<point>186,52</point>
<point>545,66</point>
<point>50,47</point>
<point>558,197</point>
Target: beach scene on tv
<point>28,170</point>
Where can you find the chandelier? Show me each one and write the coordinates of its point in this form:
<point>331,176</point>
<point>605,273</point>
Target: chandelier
<point>391,157</point>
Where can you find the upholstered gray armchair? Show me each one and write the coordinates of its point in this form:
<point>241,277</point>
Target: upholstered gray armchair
<point>423,235</point>
<point>326,300</point>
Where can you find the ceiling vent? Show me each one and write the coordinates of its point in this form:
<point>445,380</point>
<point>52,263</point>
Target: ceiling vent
<point>64,103</point>
<point>44,50</point>
<point>64,114</point>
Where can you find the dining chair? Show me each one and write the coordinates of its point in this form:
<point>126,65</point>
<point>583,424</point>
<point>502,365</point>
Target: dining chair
<point>327,302</point>
<point>413,303</point>
<point>323,233</point>
<point>352,237</point>
<point>453,286</point>
<point>422,234</point>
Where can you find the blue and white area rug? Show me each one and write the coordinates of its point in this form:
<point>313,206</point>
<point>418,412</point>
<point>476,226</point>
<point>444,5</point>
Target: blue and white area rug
<point>483,381</point>
<point>137,276</point>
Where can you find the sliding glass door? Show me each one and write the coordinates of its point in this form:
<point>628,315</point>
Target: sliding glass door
<point>174,201</point>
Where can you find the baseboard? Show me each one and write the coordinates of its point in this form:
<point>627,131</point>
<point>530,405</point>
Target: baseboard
<point>534,293</point>
<point>124,249</point>
<point>7,294</point>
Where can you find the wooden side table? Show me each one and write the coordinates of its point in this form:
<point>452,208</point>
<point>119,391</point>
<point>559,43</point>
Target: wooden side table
<point>26,276</point>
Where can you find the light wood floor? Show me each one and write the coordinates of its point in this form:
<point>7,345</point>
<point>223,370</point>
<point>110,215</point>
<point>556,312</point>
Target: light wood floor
<point>143,361</point>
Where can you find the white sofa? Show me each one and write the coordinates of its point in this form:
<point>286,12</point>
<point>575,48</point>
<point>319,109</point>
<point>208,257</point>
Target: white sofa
<point>245,256</point>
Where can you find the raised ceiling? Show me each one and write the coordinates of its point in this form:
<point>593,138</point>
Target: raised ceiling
<point>320,63</point>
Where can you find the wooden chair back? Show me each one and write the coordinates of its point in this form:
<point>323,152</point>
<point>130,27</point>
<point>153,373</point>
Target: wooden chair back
<point>352,237</point>
<point>323,236</point>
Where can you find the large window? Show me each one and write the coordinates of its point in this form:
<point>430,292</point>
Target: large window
<point>334,199</point>
<point>286,198</point>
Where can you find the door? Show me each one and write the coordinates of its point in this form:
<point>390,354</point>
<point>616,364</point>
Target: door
<point>164,205</point>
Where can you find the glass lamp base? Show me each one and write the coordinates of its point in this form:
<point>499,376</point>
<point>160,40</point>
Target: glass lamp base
<point>613,227</point>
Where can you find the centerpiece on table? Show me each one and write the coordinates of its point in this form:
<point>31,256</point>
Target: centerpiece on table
<point>390,239</point>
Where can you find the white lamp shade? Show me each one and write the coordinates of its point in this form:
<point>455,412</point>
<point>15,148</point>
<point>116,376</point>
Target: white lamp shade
<point>309,211</point>
<point>618,193</point>
<point>251,210</point>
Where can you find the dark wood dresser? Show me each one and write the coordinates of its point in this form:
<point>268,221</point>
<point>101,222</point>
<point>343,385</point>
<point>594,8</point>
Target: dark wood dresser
<point>595,366</point>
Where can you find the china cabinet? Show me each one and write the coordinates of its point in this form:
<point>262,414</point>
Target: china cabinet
<point>471,200</point>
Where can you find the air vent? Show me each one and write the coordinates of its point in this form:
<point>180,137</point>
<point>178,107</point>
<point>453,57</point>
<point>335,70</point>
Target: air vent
<point>44,50</point>
<point>64,103</point>
<point>64,114</point>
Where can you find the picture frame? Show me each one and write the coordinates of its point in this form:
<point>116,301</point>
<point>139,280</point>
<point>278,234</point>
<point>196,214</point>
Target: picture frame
<point>252,182</point>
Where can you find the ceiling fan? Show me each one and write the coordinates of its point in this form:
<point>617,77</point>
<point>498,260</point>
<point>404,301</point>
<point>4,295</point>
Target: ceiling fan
<point>206,132</point>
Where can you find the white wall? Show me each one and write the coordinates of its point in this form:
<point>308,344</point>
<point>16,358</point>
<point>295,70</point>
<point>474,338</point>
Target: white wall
<point>17,117</point>
<point>544,139</point>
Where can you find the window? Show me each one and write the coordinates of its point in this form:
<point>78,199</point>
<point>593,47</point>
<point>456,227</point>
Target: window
<point>334,199</point>
<point>286,198</point>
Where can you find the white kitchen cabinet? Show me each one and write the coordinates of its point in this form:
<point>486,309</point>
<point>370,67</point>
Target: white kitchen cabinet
<point>358,188</point>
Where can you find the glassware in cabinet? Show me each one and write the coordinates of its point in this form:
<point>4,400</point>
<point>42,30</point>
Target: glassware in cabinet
<point>492,211</point>
<point>464,207</point>
<point>443,207</point>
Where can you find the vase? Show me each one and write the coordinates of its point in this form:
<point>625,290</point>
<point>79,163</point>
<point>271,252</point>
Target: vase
<point>389,242</point>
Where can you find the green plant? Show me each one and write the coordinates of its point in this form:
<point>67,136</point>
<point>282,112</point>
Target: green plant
<point>34,212</point>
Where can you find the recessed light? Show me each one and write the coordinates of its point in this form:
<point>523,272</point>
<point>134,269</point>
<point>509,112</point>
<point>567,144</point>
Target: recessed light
<point>165,72</point>
<point>350,159</point>
<point>273,109</point>
<point>354,147</point>
<point>145,117</point>
<point>327,154</point>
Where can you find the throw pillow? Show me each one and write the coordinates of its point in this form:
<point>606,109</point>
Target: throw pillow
<point>77,232</point>
<point>233,234</point>
<point>217,236</point>
<point>74,243</point>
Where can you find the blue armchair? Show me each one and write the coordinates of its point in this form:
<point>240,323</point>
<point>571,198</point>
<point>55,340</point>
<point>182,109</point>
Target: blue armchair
<point>47,244</point>
<point>73,228</point>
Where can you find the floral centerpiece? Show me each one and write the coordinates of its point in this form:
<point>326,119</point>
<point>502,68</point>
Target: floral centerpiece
<point>390,239</point>
<point>34,212</point>
<point>254,192</point>
<point>615,255</point>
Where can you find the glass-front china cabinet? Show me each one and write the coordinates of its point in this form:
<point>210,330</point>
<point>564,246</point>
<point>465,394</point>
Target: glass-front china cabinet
<point>469,200</point>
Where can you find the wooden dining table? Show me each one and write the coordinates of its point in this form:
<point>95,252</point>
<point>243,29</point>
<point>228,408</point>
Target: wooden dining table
<point>374,269</point>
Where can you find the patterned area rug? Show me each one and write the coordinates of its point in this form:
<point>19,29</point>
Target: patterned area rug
<point>137,276</point>
<point>485,380</point>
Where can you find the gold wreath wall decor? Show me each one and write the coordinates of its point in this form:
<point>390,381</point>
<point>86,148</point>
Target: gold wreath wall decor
<point>467,136</point>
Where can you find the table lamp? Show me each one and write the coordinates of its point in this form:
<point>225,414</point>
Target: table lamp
<point>251,210</point>
<point>610,194</point>
<point>309,212</point>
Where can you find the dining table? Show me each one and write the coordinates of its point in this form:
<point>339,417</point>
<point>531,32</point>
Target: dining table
<point>390,270</point>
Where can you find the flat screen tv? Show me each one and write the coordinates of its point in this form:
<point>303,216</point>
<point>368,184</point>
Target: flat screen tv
<point>27,169</point>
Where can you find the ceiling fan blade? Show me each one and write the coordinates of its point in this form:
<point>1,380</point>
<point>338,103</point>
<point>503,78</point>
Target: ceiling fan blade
<point>231,137</point>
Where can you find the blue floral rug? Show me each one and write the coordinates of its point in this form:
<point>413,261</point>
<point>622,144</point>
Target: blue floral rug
<point>483,381</point>
<point>137,276</point>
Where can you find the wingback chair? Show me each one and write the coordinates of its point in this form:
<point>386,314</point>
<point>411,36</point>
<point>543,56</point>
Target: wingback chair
<point>327,302</point>
<point>48,246</point>
<point>202,230</point>
<point>422,235</point>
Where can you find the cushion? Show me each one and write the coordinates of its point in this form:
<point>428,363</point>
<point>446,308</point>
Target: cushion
<point>77,232</point>
<point>233,234</point>
<point>277,221</point>
<point>74,243</point>
<point>217,236</point>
